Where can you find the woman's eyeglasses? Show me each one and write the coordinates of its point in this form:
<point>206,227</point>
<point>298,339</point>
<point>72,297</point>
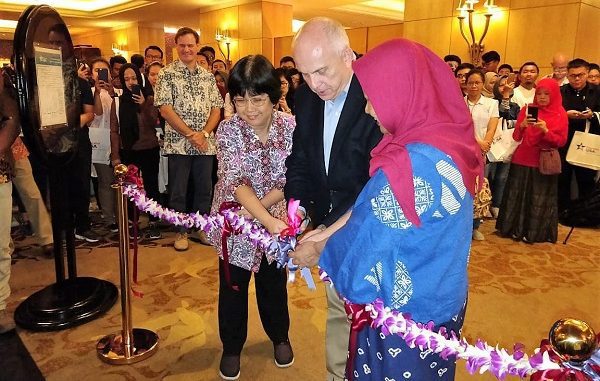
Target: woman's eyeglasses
<point>255,101</point>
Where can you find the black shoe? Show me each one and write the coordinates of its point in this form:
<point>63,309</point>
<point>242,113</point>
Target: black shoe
<point>114,228</point>
<point>284,356</point>
<point>88,236</point>
<point>26,229</point>
<point>153,232</point>
<point>131,233</point>
<point>229,369</point>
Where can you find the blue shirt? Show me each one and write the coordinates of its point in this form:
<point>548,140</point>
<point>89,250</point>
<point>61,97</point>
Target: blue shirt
<point>331,117</point>
<point>380,254</point>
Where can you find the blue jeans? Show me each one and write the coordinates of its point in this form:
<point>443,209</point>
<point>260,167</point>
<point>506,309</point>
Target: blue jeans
<point>195,170</point>
<point>497,173</point>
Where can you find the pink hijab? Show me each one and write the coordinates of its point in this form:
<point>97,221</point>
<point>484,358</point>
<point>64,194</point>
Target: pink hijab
<point>417,100</point>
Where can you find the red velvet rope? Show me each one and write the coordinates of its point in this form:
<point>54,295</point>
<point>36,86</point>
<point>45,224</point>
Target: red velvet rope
<point>226,232</point>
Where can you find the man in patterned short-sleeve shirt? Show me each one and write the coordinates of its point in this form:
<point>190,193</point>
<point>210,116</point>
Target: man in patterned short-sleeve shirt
<point>190,102</point>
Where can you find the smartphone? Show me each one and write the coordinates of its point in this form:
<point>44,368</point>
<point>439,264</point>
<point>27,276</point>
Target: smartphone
<point>532,112</point>
<point>103,74</point>
<point>512,77</point>
<point>136,89</point>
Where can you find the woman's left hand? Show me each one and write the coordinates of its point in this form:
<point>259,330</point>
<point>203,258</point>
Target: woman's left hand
<point>541,125</point>
<point>275,225</point>
<point>139,99</point>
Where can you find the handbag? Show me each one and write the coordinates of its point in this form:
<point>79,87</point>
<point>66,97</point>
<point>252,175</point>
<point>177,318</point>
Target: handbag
<point>482,200</point>
<point>550,161</point>
<point>584,150</point>
<point>503,145</point>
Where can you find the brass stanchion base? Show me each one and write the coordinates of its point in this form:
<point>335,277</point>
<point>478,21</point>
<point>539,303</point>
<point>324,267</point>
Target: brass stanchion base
<point>111,349</point>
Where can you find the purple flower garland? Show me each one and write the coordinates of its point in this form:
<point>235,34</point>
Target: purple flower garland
<point>480,357</point>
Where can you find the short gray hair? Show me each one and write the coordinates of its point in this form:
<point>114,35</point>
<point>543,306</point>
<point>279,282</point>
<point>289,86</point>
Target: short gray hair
<point>331,29</point>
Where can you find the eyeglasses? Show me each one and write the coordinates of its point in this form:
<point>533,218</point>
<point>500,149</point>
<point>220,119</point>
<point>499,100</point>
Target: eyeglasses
<point>474,83</point>
<point>577,76</point>
<point>154,57</point>
<point>461,75</point>
<point>560,69</point>
<point>593,76</point>
<point>256,101</point>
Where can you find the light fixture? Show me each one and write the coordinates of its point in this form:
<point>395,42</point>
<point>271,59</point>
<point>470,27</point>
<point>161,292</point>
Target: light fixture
<point>118,49</point>
<point>466,9</point>
<point>224,36</point>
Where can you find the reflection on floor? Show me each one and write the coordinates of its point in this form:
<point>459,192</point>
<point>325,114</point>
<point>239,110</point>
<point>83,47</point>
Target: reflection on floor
<point>517,291</point>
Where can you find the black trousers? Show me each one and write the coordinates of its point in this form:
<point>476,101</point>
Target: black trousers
<point>271,297</point>
<point>147,161</point>
<point>583,176</point>
<point>80,170</point>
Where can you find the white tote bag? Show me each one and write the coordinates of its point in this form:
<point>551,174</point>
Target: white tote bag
<point>584,150</point>
<point>503,144</point>
<point>100,139</point>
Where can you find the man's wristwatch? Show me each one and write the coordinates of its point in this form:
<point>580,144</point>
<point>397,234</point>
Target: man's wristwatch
<point>206,134</point>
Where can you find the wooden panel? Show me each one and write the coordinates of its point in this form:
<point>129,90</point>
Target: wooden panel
<point>435,34</point>
<point>250,21</point>
<point>519,4</point>
<point>533,38</point>
<point>593,3</point>
<point>282,46</point>
<point>151,36</point>
<point>428,9</point>
<point>127,37</point>
<point>587,43</point>
<point>268,50</point>
<point>276,20</point>
<point>251,46</point>
<point>495,38</point>
<point>358,39</point>
<point>378,34</point>
<point>226,18</point>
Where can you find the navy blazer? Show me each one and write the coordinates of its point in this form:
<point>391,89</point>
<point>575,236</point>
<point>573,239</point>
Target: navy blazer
<point>328,196</point>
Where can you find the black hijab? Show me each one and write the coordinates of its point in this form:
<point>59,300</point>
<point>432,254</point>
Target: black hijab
<point>129,128</point>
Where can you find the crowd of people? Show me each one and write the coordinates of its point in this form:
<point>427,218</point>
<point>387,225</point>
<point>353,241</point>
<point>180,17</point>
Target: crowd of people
<point>386,179</point>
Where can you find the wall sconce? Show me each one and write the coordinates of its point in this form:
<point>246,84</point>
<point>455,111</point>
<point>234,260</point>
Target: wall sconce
<point>466,9</point>
<point>224,36</point>
<point>118,49</point>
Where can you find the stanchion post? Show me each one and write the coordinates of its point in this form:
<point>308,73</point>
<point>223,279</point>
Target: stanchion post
<point>132,344</point>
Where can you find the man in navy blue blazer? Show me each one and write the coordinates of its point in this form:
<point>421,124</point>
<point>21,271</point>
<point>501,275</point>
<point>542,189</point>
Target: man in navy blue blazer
<point>329,163</point>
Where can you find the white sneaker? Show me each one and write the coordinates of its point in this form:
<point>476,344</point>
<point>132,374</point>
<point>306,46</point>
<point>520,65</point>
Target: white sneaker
<point>495,212</point>
<point>181,242</point>
<point>478,236</point>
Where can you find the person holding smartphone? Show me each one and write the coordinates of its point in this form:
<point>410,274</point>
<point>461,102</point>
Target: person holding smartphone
<point>132,133</point>
<point>581,100</point>
<point>104,92</point>
<point>529,209</point>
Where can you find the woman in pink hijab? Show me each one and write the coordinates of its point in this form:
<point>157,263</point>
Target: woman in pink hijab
<point>406,240</point>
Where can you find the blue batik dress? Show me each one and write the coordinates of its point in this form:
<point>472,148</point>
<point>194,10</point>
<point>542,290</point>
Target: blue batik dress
<point>420,270</point>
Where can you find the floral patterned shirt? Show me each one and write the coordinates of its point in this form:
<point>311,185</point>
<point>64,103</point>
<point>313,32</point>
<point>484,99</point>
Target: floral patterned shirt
<point>245,160</point>
<point>19,151</point>
<point>192,94</point>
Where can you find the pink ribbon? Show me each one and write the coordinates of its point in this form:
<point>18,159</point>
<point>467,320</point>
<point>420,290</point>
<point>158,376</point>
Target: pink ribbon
<point>293,220</point>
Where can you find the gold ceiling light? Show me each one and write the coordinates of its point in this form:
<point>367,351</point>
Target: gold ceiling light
<point>78,8</point>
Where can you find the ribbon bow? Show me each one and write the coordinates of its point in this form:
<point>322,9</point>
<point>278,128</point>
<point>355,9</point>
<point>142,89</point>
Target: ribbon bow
<point>588,370</point>
<point>287,242</point>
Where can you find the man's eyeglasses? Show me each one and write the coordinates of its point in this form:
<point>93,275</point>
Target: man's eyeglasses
<point>577,76</point>
<point>154,57</point>
<point>474,83</point>
<point>255,101</point>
